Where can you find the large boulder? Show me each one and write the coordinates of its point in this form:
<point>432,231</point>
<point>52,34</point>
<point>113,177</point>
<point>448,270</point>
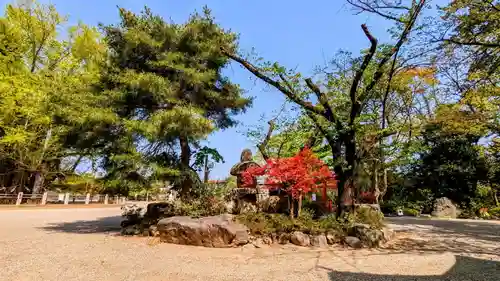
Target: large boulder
<point>300,239</point>
<point>319,241</point>
<point>443,207</point>
<point>370,237</point>
<point>271,204</point>
<point>353,242</point>
<point>216,231</point>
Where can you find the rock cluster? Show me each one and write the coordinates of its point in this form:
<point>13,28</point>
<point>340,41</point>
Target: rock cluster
<point>223,231</point>
<point>142,221</point>
<point>443,207</point>
<point>215,231</point>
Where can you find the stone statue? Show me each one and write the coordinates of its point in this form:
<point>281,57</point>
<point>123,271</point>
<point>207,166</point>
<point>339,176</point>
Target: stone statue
<point>246,161</point>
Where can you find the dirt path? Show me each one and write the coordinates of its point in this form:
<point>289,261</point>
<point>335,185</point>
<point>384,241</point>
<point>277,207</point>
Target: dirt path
<point>82,244</point>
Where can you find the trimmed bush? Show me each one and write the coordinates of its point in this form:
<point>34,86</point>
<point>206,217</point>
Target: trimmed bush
<point>411,212</point>
<point>370,216</point>
<point>495,212</point>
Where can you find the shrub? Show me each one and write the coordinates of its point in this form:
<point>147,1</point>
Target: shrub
<point>483,213</point>
<point>389,207</point>
<point>262,223</point>
<point>369,216</point>
<point>495,212</point>
<point>411,212</point>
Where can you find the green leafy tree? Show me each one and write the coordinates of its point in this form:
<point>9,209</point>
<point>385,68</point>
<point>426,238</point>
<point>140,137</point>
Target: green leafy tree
<point>164,81</point>
<point>45,83</point>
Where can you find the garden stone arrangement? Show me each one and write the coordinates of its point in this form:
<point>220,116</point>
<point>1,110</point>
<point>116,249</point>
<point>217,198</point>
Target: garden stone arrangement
<point>225,230</point>
<point>256,219</point>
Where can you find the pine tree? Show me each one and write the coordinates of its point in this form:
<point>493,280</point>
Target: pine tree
<point>165,83</point>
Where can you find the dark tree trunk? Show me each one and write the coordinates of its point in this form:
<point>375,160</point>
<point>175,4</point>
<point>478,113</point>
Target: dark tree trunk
<point>185,159</point>
<point>206,171</point>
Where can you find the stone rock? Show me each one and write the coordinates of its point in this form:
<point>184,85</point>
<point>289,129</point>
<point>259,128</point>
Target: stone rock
<point>247,207</point>
<point>333,238</point>
<point>388,234</point>
<point>274,237</point>
<point>215,231</point>
<point>272,204</point>
<point>249,246</point>
<point>131,230</point>
<point>230,206</point>
<point>258,243</point>
<point>284,238</point>
<point>353,242</point>
<point>369,236</point>
<point>443,207</point>
<point>319,241</point>
<point>300,239</point>
<point>267,240</point>
<point>153,231</point>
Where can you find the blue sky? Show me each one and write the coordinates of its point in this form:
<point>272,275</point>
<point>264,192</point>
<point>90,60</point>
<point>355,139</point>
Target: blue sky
<point>300,34</point>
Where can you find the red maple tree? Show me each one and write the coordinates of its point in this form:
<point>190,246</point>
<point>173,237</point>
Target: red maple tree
<point>296,175</point>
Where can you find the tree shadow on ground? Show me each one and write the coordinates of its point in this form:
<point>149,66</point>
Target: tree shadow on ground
<point>101,225</point>
<point>483,230</point>
<point>464,269</point>
<point>464,237</point>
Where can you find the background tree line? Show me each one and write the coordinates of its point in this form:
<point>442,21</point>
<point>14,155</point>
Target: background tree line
<point>408,120</point>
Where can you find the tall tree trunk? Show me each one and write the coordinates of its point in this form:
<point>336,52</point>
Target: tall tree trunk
<point>376,188</point>
<point>299,208</point>
<point>347,200</point>
<point>291,203</point>
<point>495,197</point>
<point>384,189</point>
<point>38,184</point>
<point>39,176</point>
<point>185,159</point>
<point>77,162</point>
<point>206,171</point>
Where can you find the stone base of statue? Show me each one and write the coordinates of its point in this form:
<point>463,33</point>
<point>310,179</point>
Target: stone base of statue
<point>258,199</point>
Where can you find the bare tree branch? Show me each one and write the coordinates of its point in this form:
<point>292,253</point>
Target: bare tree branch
<point>255,71</point>
<point>374,8</point>
<point>359,74</point>
<point>329,115</point>
<point>404,35</point>
<point>263,145</point>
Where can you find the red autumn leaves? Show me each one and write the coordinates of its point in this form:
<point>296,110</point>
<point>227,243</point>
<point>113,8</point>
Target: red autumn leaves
<point>297,175</point>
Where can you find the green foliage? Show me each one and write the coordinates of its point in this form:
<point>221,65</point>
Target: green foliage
<point>411,212</point>
<point>369,216</point>
<point>264,223</point>
<point>46,91</point>
<point>495,212</point>
<point>452,166</point>
<point>164,82</point>
<point>390,206</point>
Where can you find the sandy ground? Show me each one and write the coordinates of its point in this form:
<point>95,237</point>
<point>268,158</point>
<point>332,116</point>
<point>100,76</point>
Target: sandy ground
<point>83,244</point>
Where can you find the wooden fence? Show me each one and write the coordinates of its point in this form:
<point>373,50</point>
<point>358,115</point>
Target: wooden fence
<point>61,198</point>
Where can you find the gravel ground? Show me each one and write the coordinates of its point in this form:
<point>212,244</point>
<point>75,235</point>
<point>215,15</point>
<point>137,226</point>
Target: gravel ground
<point>83,244</point>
